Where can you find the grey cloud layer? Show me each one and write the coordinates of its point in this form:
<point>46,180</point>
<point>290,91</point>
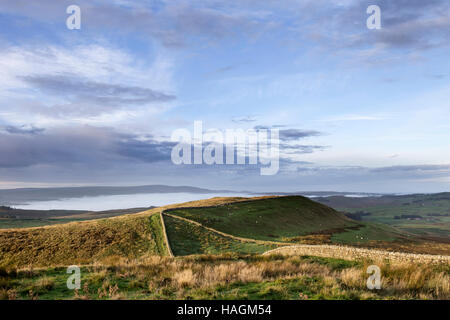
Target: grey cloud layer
<point>409,172</point>
<point>77,89</point>
<point>295,134</point>
<point>415,24</point>
<point>84,145</point>
<point>93,146</point>
<point>22,129</point>
<point>418,169</point>
<point>409,27</point>
<point>172,22</point>
<point>301,149</point>
<point>76,153</point>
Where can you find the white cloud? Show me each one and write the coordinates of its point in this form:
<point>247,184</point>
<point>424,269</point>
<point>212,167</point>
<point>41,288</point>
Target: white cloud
<point>354,117</point>
<point>95,63</point>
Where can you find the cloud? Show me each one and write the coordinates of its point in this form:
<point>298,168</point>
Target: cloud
<point>84,90</point>
<point>413,24</point>
<point>245,119</point>
<point>103,80</point>
<point>146,151</point>
<point>295,134</point>
<point>386,176</point>
<point>408,29</point>
<point>300,149</point>
<point>407,171</point>
<point>173,23</point>
<point>418,169</point>
<point>438,76</point>
<point>290,134</point>
<point>353,117</point>
<point>23,129</point>
<point>86,145</point>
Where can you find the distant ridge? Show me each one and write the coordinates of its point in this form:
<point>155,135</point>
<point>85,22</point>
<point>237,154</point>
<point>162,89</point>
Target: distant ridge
<point>24,195</point>
<point>324,194</point>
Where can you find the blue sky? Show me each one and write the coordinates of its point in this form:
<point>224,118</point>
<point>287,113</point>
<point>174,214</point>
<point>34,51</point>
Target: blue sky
<point>369,108</point>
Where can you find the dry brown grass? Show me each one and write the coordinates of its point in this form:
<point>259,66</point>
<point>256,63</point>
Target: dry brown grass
<point>8,294</point>
<point>240,277</point>
<point>81,243</point>
<point>353,278</point>
<point>404,280</point>
<point>44,283</point>
<point>410,277</point>
<point>213,270</point>
<point>407,274</point>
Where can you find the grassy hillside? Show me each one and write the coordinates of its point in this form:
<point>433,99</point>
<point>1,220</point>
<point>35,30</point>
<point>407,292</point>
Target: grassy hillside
<point>366,233</point>
<point>187,238</point>
<point>83,242</point>
<point>285,219</point>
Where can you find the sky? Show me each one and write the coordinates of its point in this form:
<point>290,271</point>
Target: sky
<point>358,109</point>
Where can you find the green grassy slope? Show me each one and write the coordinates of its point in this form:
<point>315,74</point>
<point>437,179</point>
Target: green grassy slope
<point>186,238</point>
<point>421,214</point>
<point>366,233</point>
<point>80,243</point>
<point>271,219</point>
<point>289,219</point>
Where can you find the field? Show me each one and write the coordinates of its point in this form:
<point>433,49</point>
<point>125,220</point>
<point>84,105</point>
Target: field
<point>425,215</point>
<point>20,218</point>
<point>212,249</point>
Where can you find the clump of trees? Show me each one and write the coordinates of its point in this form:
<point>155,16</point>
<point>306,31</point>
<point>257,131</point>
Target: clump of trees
<point>358,216</point>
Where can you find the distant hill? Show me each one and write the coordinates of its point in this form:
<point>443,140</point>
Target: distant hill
<point>271,219</point>
<point>24,195</point>
<point>362,202</point>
